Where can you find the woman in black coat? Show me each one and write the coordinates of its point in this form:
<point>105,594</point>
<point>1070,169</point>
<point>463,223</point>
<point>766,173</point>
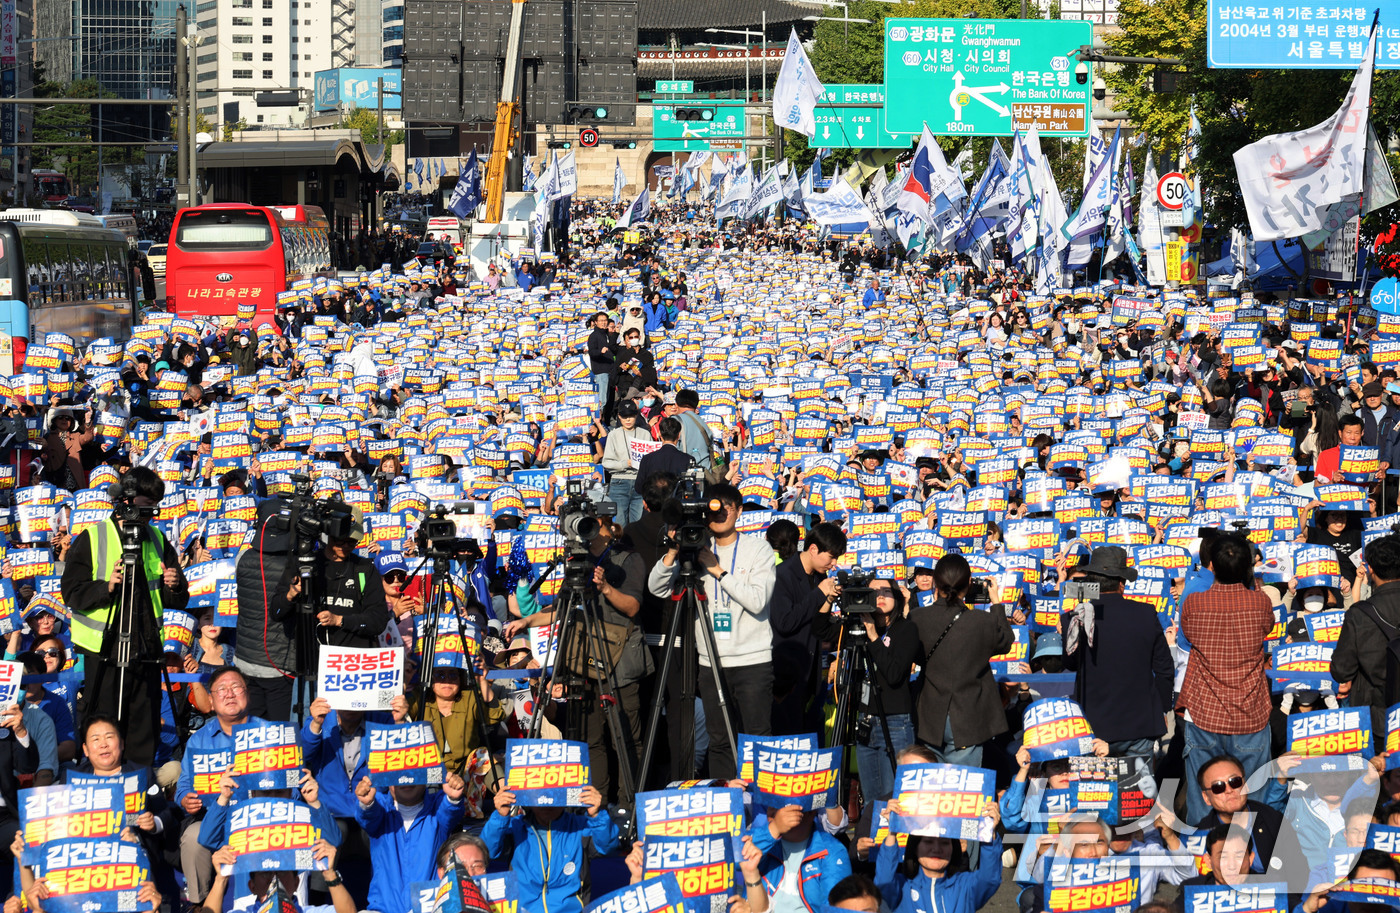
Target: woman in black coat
<point>958,708</point>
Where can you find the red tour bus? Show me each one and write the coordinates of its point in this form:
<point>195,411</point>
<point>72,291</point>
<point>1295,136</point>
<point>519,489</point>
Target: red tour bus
<point>224,254</point>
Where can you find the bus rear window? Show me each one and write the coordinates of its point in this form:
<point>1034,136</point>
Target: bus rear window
<point>213,230</point>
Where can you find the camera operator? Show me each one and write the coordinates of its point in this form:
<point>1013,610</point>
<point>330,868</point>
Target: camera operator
<point>801,613</point>
<point>738,575</point>
<point>265,643</point>
<point>352,609</point>
<point>620,578</point>
<point>894,648</point>
<point>92,589</point>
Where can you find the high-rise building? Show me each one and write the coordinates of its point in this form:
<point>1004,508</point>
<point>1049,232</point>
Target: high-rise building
<point>392,46</point>
<point>248,47</point>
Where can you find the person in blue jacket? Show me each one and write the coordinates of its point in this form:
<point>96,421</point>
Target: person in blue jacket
<point>549,852</point>
<point>327,739</point>
<point>801,862</point>
<point>1370,864</point>
<point>214,832</point>
<point>406,826</point>
<point>933,877</point>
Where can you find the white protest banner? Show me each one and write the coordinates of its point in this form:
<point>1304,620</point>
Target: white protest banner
<point>638,449</point>
<point>10,688</point>
<point>351,678</point>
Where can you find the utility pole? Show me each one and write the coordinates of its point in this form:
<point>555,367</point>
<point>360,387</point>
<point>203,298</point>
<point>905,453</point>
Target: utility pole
<point>379,124</point>
<point>182,174</point>
<point>192,42</point>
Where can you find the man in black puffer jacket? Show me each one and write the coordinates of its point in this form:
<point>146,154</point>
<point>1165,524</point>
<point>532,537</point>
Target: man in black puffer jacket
<point>268,585</point>
<point>352,610</point>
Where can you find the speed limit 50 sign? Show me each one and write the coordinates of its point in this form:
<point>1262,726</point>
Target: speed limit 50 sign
<point>1171,190</point>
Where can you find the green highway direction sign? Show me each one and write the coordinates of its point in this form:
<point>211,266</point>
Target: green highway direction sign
<point>986,77</point>
<point>855,128</point>
<point>673,135</point>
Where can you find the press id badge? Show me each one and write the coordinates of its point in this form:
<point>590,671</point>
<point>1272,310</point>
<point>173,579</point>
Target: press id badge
<point>724,625</point>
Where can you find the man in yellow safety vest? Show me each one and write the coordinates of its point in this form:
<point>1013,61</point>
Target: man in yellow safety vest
<point>92,589</point>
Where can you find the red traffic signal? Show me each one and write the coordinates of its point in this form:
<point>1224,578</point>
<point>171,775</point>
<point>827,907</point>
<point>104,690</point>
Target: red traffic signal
<point>588,137</point>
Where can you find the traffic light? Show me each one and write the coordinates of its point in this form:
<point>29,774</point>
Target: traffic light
<point>693,114</point>
<point>559,144</point>
<point>621,145</point>
<point>587,112</point>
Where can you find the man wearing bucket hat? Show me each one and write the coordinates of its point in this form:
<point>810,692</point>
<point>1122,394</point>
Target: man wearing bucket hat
<point>1123,669</point>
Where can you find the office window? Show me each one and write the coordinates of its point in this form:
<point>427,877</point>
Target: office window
<point>267,39</point>
<point>267,4</point>
<point>305,56</point>
<point>242,57</point>
<point>242,39</point>
<point>242,4</point>
<point>306,22</point>
<point>267,74</point>
<point>267,57</point>
<point>393,13</point>
<point>306,40</point>
<point>260,118</point>
<point>243,22</point>
<point>242,74</point>
<point>267,22</point>
<point>206,58</point>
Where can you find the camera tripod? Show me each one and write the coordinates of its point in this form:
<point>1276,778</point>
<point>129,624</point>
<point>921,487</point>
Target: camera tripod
<point>119,643</point>
<point>689,607</point>
<point>581,655</point>
<point>440,601</point>
<point>855,676</point>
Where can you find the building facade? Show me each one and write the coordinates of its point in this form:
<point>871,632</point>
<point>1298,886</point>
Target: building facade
<point>256,55</point>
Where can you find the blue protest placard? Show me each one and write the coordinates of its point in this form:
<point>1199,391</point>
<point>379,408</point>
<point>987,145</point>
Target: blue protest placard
<point>1346,730</point>
<point>547,772</point>
<point>1367,891</point>
<point>1251,898</point>
<point>87,875</point>
<point>405,754</point>
<point>1384,838</point>
<point>941,800</point>
<point>273,835</point>
<point>498,890</point>
<point>659,894</point>
<point>1056,728</point>
<point>133,787</point>
<point>703,867</point>
<point>692,813</point>
<point>748,745</point>
<point>48,813</point>
<point>208,767</point>
<point>1084,885</point>
<point>801,777</point>
<point>266,756</point>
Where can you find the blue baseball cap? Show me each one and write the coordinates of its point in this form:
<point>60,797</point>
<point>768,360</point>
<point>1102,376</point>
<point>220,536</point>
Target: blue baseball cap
<point>388,562</point>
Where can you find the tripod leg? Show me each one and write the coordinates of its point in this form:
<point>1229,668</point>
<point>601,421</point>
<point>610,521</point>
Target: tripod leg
<point>613,711</point>
<point>872,676</point>
<point>713,652</point>
<point>668,650</point>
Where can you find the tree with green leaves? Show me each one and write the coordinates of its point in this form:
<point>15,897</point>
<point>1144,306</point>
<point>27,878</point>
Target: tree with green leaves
<point>366,120</point>
<point>1234,107</point>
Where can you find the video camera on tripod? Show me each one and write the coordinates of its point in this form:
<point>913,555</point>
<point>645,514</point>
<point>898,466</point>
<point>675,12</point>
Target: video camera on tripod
<point>688,513</point>
<point>857,597</point>
<point>311,520</point>
<point>437,537</point>
<point>581,520</point>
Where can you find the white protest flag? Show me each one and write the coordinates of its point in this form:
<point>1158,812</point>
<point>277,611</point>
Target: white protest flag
<point>1098,194</point>
<point>792,193</point>
<point>841,205</point>
<point>1049,275</point>
<point>1290,180</point>
<point>1082,249</point>
<point>619,181</point>
<point>1150,225</point>
<point>1023,214</point>
<point>797,91</point>
<point>768,192</point>
<point>1115,237</point>
<point>638,212</point>
<point>547,187</point>
<point>735,201</point>
<point>568,175</point>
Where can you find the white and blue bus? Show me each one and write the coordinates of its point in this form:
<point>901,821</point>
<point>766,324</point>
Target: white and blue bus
<point>65,272</point>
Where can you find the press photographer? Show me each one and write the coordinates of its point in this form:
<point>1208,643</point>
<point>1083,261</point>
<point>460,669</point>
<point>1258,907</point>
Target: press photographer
<point>92,587</point>
<point>801,612</point>
<point>738,576</point>
<point>351,608</point>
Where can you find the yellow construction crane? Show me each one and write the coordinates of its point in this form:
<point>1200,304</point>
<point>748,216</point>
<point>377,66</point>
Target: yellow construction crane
<point>507,112</point>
